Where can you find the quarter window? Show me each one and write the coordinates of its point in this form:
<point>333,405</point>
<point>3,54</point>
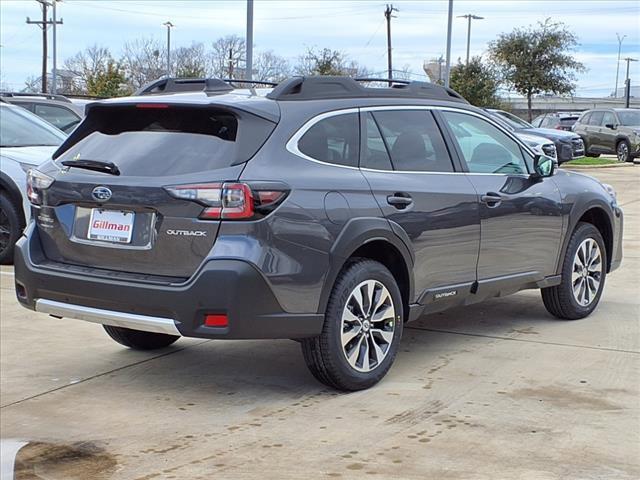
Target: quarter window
<point>333,140</point>
<point>596,118</point>
<point>484,148</point>
<point>413,141</point>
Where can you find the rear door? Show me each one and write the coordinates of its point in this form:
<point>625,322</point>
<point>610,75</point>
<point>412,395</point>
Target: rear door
<point>133,222</point>
<point>412,175</point>
<point>608,134</point>
<point>521,220</point>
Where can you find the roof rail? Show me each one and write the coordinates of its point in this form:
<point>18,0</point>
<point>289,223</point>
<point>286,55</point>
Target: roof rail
<point>334,87</point>
<point>207,85</point>
<point>48,96</point>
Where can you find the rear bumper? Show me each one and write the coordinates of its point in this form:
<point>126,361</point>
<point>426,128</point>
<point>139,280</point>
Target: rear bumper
<point>230,287</point>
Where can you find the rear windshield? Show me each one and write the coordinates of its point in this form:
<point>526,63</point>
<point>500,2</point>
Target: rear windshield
<point>166,140</point>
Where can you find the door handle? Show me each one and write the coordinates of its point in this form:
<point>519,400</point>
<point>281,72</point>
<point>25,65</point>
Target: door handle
<point>491,199</point>
<point>400,200</point>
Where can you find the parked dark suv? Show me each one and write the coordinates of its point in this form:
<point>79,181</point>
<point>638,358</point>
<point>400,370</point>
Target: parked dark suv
<point>326,211</point>
<point>613,131</point>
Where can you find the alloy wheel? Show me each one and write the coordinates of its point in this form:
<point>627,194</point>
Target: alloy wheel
<point>587,272</point>
<point>368,326</point>
<point>623,152</point>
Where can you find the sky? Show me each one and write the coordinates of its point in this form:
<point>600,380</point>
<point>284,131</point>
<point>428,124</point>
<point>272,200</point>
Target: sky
<point>356,27</point>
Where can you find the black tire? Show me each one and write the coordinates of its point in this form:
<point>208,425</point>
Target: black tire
<point>623,151</point>
<point>139,340</point>
<point>560,300</point>
<point>324,354</point>
<point>11,227</point>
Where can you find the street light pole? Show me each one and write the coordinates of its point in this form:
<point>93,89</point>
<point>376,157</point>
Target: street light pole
<point>447,67</point>
<point>620,40</point>
<point>248,74</point>
<point>628,81</point>
<point>169,26</point>
<point>469,17</point>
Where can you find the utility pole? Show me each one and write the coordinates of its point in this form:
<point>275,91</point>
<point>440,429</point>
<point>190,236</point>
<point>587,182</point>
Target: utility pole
<point>248,74</point>
<point>620,40</point>
<point>469,17</point>
<point>448,61</point>
<point>54,69</point>
<point>627,94</point>
<point>388,14</point>
<point>43,24</point>
<point>231,62</point>
<point>169,26</point>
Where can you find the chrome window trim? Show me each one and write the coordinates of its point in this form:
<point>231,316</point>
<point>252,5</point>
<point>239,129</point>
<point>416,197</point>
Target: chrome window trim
<point>292,144</point>
<point>108,317</point>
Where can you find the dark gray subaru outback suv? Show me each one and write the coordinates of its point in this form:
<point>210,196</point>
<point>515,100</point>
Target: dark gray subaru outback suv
<point>327,211</point>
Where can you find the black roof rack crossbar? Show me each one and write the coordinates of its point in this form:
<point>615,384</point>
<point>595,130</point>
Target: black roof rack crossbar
<point>232,81</point>
<point>207,85</point>
<point>175,85</point>
<point>382,80</point>
<point>333,87</point>
<point>48,96</point>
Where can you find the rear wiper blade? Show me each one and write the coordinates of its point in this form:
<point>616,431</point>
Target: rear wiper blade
<point>95,165</point>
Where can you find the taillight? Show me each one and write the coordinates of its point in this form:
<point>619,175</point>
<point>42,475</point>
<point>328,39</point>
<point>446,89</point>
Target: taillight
<point>228,201</point>
<point>36,183</point>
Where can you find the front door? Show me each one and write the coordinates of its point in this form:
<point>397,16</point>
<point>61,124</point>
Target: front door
<point>407,164</point>
<point>521,220</point>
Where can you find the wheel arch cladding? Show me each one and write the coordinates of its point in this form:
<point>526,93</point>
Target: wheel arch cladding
<point>598,217</point>
<point>371,238</point>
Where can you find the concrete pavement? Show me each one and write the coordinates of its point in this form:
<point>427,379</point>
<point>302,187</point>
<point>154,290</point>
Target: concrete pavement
<point>496,390</point>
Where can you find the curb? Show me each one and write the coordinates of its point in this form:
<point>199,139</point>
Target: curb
<point>589,167</point>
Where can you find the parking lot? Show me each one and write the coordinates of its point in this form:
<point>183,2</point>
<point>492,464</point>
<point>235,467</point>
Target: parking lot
<point>496,390</point>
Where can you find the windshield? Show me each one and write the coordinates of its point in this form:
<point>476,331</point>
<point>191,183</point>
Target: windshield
<point>511,119</point>
<point>19,128</point>
<point>629,118</point>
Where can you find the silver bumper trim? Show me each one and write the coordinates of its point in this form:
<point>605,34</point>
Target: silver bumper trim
<point>108,317</point>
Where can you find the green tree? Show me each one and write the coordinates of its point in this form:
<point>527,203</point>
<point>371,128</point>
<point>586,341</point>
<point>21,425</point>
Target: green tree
<point>477,82</point>
<point>537,60</point>
<point>107,81</point>
<point>329,62</point>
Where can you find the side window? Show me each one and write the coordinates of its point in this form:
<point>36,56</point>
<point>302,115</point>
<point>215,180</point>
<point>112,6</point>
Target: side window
<point>584,120</point>
<point>57,116</point>
<point>596,118</point>
<point>333,140</point>
<point>608,119</point>
<point>414,141</point>
<point>485,148</point>
<point>374,151</point>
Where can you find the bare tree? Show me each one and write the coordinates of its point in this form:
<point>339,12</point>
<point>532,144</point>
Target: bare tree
<point>190,62</point>
<point>85,65</point>
<point>268,66</point>
<point>227,57</point>
<point>404,73</point>
<point>32,84</point>
<point>329,62</point>
<point>143,60</point>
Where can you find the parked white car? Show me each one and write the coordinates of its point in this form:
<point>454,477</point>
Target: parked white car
<point>26,141</point>
<point>540,145</point>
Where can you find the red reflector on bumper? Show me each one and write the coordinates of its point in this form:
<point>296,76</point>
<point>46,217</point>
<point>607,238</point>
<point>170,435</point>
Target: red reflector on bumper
<point>216,321</point>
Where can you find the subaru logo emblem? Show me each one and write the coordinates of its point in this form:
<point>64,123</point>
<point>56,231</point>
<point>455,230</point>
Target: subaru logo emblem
<point>102,194</point>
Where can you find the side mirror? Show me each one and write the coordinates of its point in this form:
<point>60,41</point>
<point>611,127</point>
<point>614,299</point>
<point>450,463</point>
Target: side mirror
<point>610,126</point>
<point>543,166</point>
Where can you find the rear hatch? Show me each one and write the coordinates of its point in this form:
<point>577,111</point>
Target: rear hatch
<point>130,222</point>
